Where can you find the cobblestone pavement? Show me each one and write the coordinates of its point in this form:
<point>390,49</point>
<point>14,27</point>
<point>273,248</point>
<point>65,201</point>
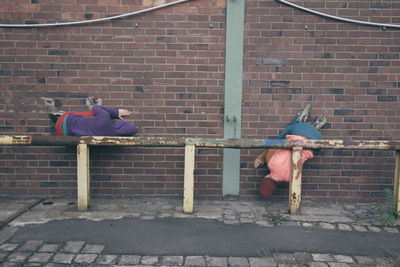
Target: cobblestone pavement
<point>355,217</point>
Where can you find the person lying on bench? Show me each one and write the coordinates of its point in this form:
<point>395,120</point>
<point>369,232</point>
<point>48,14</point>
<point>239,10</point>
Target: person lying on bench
<point>279,160</point>
<point>95,122</point>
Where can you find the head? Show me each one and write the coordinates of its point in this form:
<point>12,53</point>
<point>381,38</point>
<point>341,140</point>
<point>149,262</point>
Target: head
<point>267,187</point>
<point>124,128</point>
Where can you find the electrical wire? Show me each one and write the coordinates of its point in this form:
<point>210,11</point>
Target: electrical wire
<point>58,24</point>
<point>383,25</point>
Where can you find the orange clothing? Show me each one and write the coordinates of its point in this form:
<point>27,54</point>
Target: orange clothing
<point>279,164</point>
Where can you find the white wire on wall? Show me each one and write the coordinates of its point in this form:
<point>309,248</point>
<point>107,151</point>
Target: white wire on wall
<point>383,25</point>
<point>57,24</point>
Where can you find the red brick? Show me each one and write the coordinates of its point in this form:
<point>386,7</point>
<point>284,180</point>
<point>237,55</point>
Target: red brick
<point>170,69</point>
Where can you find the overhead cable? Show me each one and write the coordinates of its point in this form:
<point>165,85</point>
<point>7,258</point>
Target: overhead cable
<point>383,25</point>
<point>57,24</point>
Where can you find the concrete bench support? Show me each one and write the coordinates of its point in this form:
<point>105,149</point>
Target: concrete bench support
<point>83,177</point>
<point>295,180</point>
<point>188,188</point>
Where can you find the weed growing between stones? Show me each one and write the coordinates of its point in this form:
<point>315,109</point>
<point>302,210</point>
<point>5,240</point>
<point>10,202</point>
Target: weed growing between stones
<point>388,209</point>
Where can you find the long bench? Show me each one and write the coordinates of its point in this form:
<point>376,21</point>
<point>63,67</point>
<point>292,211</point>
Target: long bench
<point>190,144</point>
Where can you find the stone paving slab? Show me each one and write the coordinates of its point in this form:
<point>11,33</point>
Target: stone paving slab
<point>357,217</point>
<point>267,258</point>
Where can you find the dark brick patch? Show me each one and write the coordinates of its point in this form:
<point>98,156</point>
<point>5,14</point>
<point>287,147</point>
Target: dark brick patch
<point>58,52</point>
<point>48,184</point>
<point>379,63</point>
<point>327,55</point>
<point>273,61</point>
<point>270,90</point>
<point>6,73</point>
<point>31,22</point>
<point>50,94</point>
<point>387,98</point>
<point>365,84</point>
<point>41,80</point>
<point>353,119</point>
<point>57,103</point>
<point>343,112</point>
<point>337,91</point>
<point>380,5</point>
<point>280,83</point>
<point>344,98</point>
<point>139,88</point>
<point>7,127</point>
<point>387,56</point>
<point>59,163</point>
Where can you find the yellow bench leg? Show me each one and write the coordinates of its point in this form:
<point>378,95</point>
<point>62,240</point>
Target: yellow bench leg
<point>83,177</point>
<point>295,180</point>
<point>188,190</point>
<point>397,182</point>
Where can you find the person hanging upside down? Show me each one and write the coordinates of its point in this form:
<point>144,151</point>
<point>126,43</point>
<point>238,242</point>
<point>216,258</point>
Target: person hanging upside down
<point>279,160</point>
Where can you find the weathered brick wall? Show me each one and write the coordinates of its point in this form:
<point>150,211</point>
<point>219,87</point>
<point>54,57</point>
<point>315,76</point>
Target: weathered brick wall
<point>168,67</point>
<point>347,72</point>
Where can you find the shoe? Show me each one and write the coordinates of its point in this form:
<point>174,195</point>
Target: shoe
<point>319,122</point>
<point>55,115</point>
<point>303,116</point>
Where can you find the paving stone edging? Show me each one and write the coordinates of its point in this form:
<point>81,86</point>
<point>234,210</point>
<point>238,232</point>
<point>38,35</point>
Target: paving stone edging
<point>234,217</point>
<point>78,253</point>
<point>359,218</point>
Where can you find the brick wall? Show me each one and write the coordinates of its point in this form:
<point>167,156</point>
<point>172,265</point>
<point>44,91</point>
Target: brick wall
<point>347,72</point>
<point>167,67</point>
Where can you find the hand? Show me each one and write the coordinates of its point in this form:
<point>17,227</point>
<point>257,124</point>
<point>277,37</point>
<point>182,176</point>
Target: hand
<point>123,112</point>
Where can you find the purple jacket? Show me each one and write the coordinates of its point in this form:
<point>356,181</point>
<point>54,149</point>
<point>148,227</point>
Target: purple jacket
<point>100,124</point>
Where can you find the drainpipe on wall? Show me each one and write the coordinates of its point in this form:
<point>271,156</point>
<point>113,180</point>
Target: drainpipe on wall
<point>233,94</point>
